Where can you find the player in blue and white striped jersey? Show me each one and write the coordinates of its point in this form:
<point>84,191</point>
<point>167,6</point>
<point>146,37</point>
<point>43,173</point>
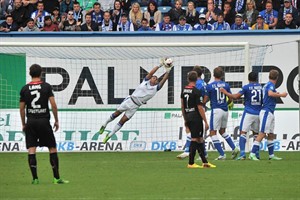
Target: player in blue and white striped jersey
<point>266,116</point>
<point>253,101</point>
<point>219,113</point>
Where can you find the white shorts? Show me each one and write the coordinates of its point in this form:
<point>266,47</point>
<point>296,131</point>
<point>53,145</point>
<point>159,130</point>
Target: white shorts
<point>267,122</point>
<point>249,122</point>
<point>218,119</point>
<point>128,106</point>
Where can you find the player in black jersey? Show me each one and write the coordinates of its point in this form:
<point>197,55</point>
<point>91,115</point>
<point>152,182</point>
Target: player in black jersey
<point>194,115</point>
<point>34,98</point>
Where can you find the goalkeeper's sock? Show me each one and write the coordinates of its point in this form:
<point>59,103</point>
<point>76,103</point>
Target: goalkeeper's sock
<point>193,149</point>
<point>228,140</point>
<point>188,143</point>
<point>201,152</point>
<point>117,127</point>
<point>111,118</point>
<point>54,163</point>
<point>32,165</point>
<point>217,144</point>
<point>242,143</point>
<point>255,147</point>
<point>270,145</point>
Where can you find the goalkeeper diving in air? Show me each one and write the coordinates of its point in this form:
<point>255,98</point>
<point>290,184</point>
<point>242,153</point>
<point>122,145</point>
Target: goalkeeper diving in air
<point>144,92</point>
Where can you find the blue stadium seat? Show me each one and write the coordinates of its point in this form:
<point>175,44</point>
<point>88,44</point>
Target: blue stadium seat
<point>200,9</point>
<point>164,9</point>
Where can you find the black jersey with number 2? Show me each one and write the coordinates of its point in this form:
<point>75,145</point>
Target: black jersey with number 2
<point>36,97</point>
<point>191,100</point>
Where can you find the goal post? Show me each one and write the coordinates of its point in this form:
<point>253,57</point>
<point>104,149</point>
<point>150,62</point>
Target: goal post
<point>90,80</point>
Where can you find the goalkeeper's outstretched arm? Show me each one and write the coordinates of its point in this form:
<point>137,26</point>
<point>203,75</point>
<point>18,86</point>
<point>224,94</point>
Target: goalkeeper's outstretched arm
<point>162,82</point>
<point>152,72</point>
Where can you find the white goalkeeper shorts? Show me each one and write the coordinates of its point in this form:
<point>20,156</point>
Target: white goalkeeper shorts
<point>128,106</point>
<point>218,119</point>
<point>249,122</point>
<point>267,122</point>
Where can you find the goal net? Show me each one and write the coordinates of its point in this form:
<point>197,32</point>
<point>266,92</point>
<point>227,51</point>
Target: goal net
<point>90,81</point>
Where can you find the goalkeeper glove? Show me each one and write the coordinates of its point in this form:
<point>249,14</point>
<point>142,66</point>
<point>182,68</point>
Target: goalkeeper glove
<point>168,69</point>
<point>161,62</point>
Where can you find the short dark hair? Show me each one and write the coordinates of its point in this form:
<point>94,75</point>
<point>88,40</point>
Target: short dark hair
<point>199,70</point>
<point>273,75</point>
<point>35,70</point>
<point>218,72</point>
<point>192,76</point>
<point>253,76</point>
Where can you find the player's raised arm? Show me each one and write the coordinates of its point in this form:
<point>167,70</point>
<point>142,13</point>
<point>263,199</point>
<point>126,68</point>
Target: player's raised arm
<point>168,64</point>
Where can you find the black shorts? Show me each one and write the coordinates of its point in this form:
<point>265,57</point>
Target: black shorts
<point>196,128</point>
<point>39,132</point>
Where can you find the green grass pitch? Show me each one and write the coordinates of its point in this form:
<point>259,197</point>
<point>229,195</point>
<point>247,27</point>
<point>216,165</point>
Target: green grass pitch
<point>150,175</point>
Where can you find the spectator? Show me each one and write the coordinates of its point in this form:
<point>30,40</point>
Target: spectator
<point>192,15</point>
<point>39,15</point>
<point>145,25</point>
<point>287,23</point>
<point>116,14</point>
<point>251,13</point>
<point>165,25</point>
<point>106,24</point>
<point>270,15</point>
<point>97,13</point>
<point>29,9</point>
<point>7,8</point>
<point>68,24</point>
<point>66,6</point>
<point>203,25</point>
<point>89,24</point>
<point>153,15</point>
<point>136,15</point>
<point>260,24</point>
<point>239,24</point>
<point>125,25</point>
<point>176,12</point>
<point>182,26</point>
<point>229,14</point>
<point>276,4</point>
<point>220,24</point>
<point>8,25</point>
<point>31,27</point>
<point>19,13</point>
<point>287,8</point>
<point>211,12</point>
<point>55,16</point>
<point>49,25</point>
<point>78,16</point>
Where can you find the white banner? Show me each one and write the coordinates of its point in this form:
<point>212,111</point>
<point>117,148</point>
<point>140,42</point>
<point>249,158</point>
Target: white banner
<point>78,132</point>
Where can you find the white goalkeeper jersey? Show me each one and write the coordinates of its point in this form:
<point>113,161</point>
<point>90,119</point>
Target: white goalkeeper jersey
<point>144,92</point>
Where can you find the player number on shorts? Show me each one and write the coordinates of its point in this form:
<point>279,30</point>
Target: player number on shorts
<point>36,98</point>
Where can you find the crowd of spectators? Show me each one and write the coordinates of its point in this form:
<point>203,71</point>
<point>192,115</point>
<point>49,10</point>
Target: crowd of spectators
<point>147,15</point>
